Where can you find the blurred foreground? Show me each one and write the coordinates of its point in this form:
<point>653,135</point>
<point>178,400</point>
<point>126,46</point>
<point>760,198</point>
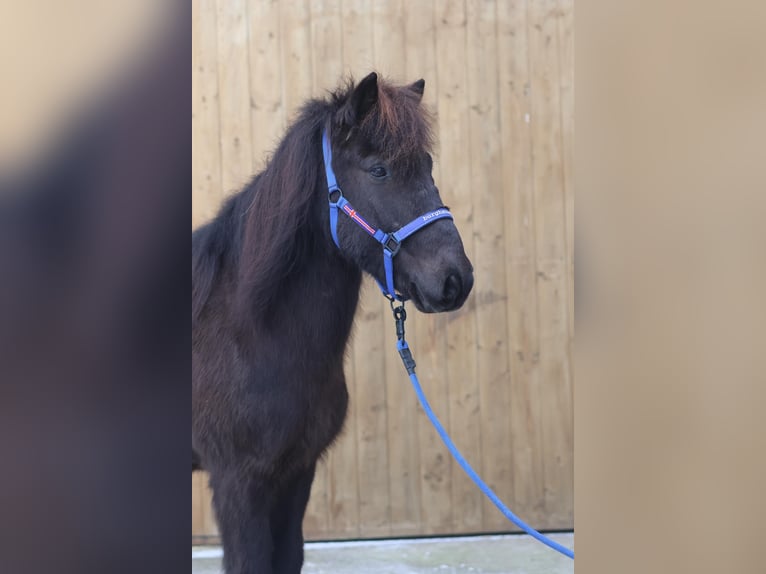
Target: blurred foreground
<point>94,369</point>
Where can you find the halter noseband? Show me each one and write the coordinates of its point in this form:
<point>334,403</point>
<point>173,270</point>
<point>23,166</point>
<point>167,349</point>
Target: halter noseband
<point>391,242</point>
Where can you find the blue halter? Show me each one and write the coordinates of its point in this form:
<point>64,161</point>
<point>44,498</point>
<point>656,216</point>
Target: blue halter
<point>391,242</point>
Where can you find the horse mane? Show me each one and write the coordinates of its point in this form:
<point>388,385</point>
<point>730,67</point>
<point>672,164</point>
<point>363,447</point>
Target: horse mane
<point>264,230</point>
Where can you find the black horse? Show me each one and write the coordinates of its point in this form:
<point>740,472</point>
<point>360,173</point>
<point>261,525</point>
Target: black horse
<point>273,301</point>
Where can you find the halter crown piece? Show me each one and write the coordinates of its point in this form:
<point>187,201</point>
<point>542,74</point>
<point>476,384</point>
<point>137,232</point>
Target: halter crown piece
<point>391,242</point>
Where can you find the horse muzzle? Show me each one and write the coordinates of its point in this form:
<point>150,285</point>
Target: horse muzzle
<point>446,292</point>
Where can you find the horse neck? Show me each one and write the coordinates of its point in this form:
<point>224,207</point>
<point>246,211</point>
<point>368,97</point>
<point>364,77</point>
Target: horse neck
<point>320,297</point>
<point>315,302</point>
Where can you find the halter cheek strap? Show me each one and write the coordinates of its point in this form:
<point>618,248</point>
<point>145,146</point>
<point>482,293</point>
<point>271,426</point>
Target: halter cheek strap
<point>391,242</point>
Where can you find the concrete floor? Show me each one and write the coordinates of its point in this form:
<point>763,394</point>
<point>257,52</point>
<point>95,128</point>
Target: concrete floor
<point>510,554</point>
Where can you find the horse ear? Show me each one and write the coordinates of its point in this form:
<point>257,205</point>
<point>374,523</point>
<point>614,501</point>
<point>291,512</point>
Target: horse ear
<point>418,87</point>
<point>362,99</point>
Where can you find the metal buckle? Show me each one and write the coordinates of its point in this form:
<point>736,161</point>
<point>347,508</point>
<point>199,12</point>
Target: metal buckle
<point>331,192</point>
<point>392,244</point>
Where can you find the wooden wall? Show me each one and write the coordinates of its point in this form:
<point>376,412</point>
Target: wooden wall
<point>498,372</point>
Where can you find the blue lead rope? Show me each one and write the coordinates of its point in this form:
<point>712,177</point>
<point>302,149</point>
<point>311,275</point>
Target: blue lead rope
<point>404,351</point>
<point>391,243</point>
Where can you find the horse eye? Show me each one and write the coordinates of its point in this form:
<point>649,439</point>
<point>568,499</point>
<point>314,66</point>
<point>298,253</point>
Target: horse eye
<point>378,172</point>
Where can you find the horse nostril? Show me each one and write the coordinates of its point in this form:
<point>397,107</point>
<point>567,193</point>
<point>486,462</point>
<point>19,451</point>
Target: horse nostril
<point>453,287</point>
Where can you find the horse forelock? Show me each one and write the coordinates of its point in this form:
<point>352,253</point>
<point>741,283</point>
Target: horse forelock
<point>398,127</point>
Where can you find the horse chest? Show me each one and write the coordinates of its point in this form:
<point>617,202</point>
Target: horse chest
<point>292,419</point>
<point>323,413</point>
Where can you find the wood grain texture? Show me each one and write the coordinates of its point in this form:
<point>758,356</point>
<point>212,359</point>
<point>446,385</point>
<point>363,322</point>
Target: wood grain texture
<point>551,268</point>
<point>402,438</point>
<point>515,114</point>
<point>427,336</point>
<point>206,149</point>
<point>234,98</point>
<point>498,373</point>
<point>456,189</point>
<point>487,196</point>
<point>341,463</point>
<point>267,111</point>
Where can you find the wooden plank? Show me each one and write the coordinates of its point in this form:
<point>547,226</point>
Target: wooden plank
<point>327,44</point>
<point>267,114</point>
<point>566,86</point>
<point>520,237</point>
<point>206,183</point>
<point>209,524</point>
<point>434,461</point>
<point>369,340</point>
<point>198,504</point>
<point>428,337</point>
<point>295,59</point>
<point>493,372</point>
<point>233,82</point>
<point>357,38</point>
<point>371,409</point>
<point>295,55</point>
<point>206,157</point>
<point>387,28</point>
<point>464,416</point>
<point>566,58</point>
<point>342,484</point>
<point>389,47</point>
<point>555,381</point>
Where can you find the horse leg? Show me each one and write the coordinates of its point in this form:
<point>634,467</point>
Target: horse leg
<point>287,524</point>
<point>243,503</point>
